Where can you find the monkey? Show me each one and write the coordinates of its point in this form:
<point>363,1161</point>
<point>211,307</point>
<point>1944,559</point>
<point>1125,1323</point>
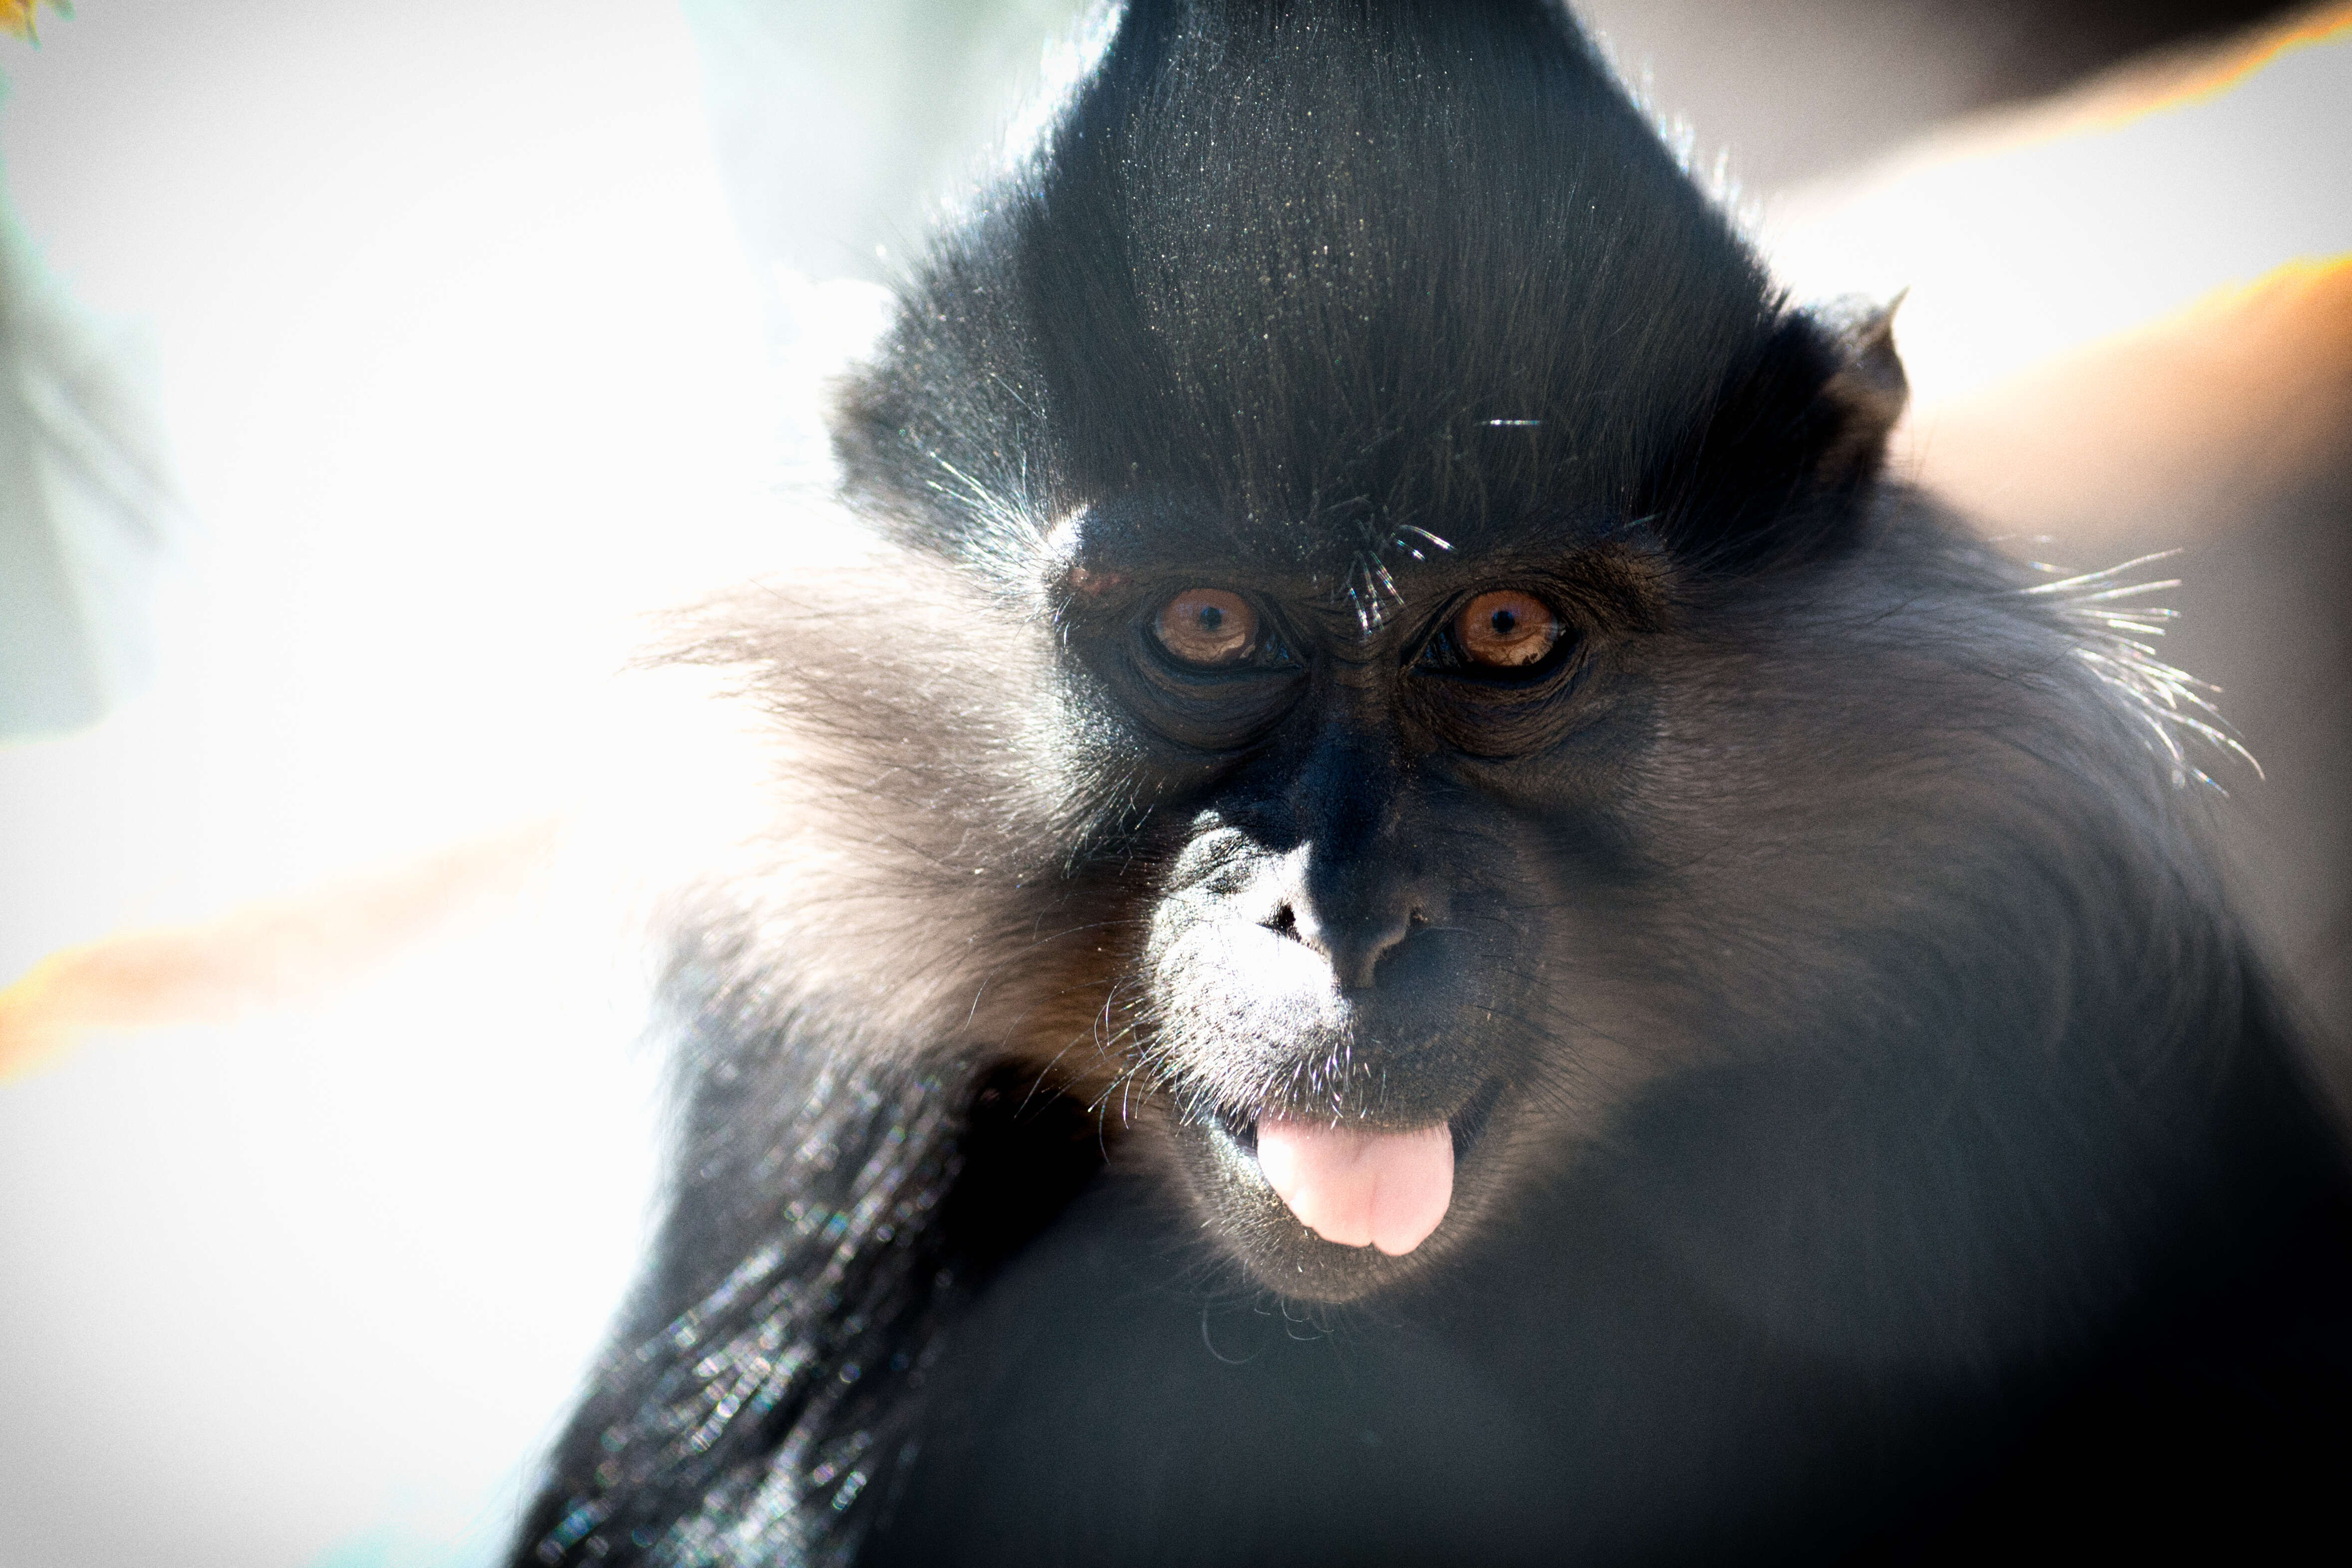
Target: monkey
<point>1409,910</point>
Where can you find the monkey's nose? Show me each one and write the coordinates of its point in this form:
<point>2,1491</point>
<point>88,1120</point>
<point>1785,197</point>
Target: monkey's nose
<point>1353,948</point>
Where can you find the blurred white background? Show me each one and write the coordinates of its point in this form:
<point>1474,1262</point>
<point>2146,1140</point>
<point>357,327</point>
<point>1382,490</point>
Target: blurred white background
<point>459,360</point>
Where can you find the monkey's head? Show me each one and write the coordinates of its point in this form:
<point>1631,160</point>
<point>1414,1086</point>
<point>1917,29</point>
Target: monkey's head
<point>1389,455</point>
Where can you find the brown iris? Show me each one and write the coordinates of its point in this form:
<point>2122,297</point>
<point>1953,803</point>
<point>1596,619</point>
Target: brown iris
<point>1207,626</point>
<point>1506,629</point>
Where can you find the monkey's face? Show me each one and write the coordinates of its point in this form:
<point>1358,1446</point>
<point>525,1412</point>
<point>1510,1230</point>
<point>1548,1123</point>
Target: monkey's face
<point>1341,398</point>
<point>1395,825</point>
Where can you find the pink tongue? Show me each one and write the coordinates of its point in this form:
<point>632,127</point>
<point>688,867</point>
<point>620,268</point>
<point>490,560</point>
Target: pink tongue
<point>1359,1187</point>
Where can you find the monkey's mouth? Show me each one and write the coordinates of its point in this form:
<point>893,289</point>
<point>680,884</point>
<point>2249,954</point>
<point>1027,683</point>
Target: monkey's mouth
<point>1325,1207</point>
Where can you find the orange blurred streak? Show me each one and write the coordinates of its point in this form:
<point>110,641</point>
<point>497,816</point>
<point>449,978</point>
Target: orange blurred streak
<point>2189,420</point>
<point>263,956</point>
<point>2170,84</point>
<point>18,16</point>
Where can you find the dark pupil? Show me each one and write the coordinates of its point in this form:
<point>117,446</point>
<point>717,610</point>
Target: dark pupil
<point>1211,618</point>
<point>1504,623</point>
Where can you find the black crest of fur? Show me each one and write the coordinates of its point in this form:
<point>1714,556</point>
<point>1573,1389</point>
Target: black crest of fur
<point>1327,268</point>
<point>1861,1092</point>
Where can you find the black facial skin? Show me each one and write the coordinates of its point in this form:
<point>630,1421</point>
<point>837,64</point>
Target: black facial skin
<point>1355,924</point>
<point>1873,1135</point>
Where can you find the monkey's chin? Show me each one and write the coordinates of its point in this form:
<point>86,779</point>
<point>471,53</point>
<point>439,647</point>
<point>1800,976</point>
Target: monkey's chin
<point>1220,1153</point>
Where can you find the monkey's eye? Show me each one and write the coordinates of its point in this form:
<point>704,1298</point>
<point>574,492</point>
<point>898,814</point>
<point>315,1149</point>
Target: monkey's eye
<point>1208,627</point>
<point>1506,630</point>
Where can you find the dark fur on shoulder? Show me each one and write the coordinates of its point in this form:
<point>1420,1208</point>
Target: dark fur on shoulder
<point>1872,1131</point>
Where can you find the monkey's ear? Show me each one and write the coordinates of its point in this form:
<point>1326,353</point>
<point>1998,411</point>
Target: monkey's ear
<point>1798,436</point>
<point>1865,395</point>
